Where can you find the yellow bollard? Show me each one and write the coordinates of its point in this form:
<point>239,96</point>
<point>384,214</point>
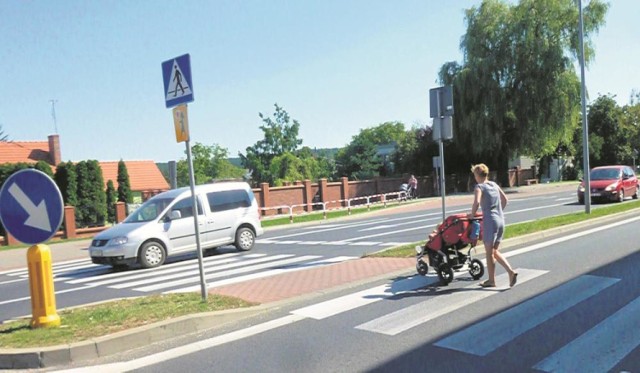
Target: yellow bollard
<point>43,299</point>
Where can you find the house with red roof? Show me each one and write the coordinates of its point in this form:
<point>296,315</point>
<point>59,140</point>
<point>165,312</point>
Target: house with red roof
<point>145,176</point>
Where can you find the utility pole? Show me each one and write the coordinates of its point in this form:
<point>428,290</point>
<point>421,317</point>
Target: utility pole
<point>53,114</point>
<point>585,123</point>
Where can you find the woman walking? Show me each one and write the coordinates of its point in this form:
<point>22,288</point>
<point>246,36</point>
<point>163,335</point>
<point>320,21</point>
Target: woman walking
<point>491,199</point>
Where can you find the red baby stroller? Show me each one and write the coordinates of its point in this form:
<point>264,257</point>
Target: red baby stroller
<point>449,247</point>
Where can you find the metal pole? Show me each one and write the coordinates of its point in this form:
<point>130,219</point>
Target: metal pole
<point>585,124</point>
<point>203,283</point>
<point>53,114</point>
<point>442,173</point>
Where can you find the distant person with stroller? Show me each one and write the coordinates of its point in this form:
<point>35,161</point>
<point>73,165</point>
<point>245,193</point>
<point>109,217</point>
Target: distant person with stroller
<point>413,187</point>
<point>491,198</point>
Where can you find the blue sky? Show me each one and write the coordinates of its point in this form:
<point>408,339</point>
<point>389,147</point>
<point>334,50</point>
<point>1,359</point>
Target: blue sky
<point>336,66</point>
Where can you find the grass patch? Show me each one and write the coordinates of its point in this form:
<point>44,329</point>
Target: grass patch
<point>317,216</point>
<point>81,324</point>
<point>520,229</point>
<point>404,251</point>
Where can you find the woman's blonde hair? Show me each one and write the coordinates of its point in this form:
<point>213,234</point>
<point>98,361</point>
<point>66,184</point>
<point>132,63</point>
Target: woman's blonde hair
<point>480,169</point>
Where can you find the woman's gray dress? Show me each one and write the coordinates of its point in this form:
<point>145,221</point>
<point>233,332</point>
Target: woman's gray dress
<point>492,217</point>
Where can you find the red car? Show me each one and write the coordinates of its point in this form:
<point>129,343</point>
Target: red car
<point>611,183</point>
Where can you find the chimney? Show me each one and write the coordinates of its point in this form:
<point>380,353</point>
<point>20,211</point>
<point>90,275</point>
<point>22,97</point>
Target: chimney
<point>54,150</point>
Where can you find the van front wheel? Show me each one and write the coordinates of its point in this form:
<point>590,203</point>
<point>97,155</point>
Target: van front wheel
<point>245,238</point>
<point>152,254</point>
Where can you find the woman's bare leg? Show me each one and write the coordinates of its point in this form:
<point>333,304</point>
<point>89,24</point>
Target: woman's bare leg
<point>491,263</point>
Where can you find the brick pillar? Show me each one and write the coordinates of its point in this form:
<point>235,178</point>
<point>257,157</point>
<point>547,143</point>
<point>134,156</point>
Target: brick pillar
<point>264,194</point>
<point>121,211</point>
<point>322,184</point>
<point>308,196</point>
<point>344,190</point>
<point>10,240</point>
<point>69,222</point>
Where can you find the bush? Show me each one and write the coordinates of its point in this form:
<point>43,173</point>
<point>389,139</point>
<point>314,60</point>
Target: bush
<point>570,173</point>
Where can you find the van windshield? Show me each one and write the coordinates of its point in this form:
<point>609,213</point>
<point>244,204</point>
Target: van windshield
<point>149,211</point>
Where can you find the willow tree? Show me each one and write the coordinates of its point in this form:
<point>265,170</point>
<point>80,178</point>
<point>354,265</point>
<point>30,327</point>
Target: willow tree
<point>517,91</point>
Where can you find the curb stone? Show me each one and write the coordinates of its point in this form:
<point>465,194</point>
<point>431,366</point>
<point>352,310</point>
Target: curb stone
<point>41,357</point>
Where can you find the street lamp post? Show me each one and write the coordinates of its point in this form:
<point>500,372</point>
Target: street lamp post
<point>585,124</point>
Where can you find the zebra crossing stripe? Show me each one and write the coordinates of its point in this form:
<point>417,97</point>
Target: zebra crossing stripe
<point>517,320</point>
<point>417,314</point>
<point>362,298</point>
<point>272,272</point>
<point>231,272</point>
<point>181,265</point>
<point>182,271</point>
<point>195,272</point>
<point>600,348</point>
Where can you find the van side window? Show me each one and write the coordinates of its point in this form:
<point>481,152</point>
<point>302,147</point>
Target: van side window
<point>228,200</point>
<point>186,207</point>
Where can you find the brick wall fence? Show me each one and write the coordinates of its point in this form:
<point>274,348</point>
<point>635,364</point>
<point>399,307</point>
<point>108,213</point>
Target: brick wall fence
<point>306,195</point>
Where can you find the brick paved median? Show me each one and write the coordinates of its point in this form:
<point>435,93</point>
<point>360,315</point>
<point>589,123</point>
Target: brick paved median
<point>293,284</point>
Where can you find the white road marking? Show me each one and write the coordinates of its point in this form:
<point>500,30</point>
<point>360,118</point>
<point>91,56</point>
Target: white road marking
<point>191,348</point>
<point>12,281</point>
<point>230,272</point>
<point>268,273</point>
<point>57,292</point>
<point>602,347</point>
<point>378,227</point>
<point>348,302</point>
<point>556,241</point>
<point>193,274</point>
<point>165,267</point>
<point>181,271</point>
<point>517,320</point>
<point>442,304</point>
<point>365,243</point>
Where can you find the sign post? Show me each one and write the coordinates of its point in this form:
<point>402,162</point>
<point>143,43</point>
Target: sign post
<point>178,91</point>
<point>31,210</point>
<point>441,110</point>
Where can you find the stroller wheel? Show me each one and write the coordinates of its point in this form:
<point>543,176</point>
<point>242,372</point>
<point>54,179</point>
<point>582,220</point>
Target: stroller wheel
<point>476,269</point>
<point>422,268</point>
<point>445,273</point>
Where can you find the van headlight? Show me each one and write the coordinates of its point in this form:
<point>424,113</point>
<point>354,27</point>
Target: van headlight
<point>118,241</point>
<point>419,249</point>
<point>611,187</point>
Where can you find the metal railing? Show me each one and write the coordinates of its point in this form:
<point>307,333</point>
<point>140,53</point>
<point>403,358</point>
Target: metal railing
<point>370,200</point>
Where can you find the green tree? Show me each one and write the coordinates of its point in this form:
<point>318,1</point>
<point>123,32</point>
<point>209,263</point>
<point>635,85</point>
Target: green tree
<point>209,163</point>
<point>516,91</point>
<point>112,198</point>
<point>280,136</point>
<point>83,193</point>
<point>66,180</point>
<point>92,199</point>
<point>358,160</point>
<point>124,184</point>
<point>414,154</point>
<point>44,167</point>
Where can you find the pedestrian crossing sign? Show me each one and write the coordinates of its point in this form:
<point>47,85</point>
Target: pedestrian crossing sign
<point>178,85</point>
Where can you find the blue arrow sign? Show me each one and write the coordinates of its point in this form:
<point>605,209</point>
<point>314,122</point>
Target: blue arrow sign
<point>178,85</point>
<point>31,206</point>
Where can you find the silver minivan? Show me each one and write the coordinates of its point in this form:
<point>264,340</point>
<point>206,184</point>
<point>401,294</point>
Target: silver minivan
<point>164,225</point>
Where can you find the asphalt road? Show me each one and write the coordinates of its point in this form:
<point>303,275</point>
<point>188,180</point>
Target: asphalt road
<point>289,249</point>
<point>575,308</point>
